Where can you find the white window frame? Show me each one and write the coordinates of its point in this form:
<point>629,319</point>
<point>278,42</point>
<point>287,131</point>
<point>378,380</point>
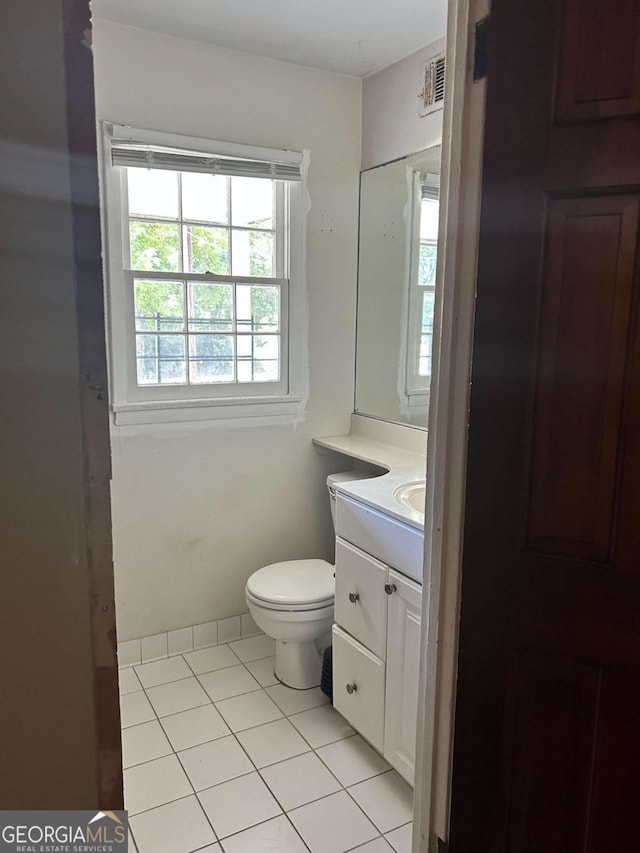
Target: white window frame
<point>132,403</point>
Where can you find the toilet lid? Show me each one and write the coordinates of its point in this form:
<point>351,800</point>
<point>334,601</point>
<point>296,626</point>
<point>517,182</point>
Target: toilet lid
<point>294,582</point>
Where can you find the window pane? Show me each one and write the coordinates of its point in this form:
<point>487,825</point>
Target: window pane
<point>159,306</point>
<point>205,197</point>
<point>252,202</point>
<point>252,253</point>
<point>153,192</point>
<point>147,345</point>
<point>429,213</point>
<point>154,246</point>
<point>428,304</point>
<point>211,358</point>
<point>258,358</point>
<point>424,361</point>
<point>426,338</point>
<point>260,254</point>
<point>244,346</point>
<point>161,359</point>
<point>266,371</point>
<point>258,308</point>
<point>206,249</point>
<point>171,346</point>
<point>427,264</point>
<point>147,371</point>
<point>210,307</point>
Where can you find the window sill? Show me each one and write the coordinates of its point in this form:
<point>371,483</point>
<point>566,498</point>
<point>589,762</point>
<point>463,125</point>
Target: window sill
<point>174,411</point>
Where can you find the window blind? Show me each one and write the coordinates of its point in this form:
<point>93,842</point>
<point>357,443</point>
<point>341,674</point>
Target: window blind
<point>148,157</point>
<point>430,186</point>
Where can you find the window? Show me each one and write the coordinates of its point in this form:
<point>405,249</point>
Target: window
<point>428,256</point>
<point>423,287</point>
<point>204,267</point>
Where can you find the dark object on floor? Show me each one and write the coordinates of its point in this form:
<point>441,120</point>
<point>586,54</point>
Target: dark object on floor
<point>326,682</point>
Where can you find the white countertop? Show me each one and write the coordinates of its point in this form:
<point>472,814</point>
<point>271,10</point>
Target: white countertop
<point>403,466</point>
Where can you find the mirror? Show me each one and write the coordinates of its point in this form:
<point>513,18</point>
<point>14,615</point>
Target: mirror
<point>396,287</point>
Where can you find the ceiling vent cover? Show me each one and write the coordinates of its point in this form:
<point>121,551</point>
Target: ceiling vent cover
<point>432,79</point>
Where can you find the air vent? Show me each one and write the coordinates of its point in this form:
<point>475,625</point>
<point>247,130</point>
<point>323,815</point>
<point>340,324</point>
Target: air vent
<point>432,94</point>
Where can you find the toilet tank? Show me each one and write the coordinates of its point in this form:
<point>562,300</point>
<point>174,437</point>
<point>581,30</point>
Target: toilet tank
<point>343,477</point>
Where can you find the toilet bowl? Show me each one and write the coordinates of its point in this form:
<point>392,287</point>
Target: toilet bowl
<point>293,603</point>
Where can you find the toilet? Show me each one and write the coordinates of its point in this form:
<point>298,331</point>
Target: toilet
<point>293,603</point>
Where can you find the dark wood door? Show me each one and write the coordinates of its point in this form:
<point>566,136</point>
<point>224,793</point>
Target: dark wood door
<point>547,734</point>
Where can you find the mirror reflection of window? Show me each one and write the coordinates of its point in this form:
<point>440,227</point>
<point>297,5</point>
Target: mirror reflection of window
<point>422,287</point>
<point>429,211</point>
<point>397,261</point>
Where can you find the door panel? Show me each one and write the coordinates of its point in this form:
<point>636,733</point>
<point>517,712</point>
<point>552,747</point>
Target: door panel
<point>546,752</point>
<point>554,725</point>
<point>595,81</point>
<point>580,373</point>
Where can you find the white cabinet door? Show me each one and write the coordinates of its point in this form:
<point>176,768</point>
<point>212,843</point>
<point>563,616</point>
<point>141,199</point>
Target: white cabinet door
<point>361,602</point>
<point>358,687</point>
<point>403,663</point>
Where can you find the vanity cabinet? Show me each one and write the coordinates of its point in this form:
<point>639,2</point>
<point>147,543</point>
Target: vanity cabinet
<point>376,653</point>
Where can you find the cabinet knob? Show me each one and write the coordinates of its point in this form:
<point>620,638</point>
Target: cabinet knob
<point>352,688</point>
<point>354,597</point>
<point>390,588</point>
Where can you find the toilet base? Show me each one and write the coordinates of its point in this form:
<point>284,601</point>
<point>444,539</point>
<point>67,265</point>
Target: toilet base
<point>298,665</point>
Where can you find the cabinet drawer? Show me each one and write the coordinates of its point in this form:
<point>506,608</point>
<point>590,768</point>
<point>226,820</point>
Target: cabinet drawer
<point>355,666</point>
<point>360,604</point>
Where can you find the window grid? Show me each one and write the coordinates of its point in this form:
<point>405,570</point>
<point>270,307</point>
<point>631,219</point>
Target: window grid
<point>234,328</point>
<point>426,325</point>
<point>422,284</point>
<point>188,356</point>
<point>183,223</point>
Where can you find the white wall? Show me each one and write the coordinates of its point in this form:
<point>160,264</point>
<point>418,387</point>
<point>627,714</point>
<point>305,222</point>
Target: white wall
<point>198,507</point>
<point>391,122</point>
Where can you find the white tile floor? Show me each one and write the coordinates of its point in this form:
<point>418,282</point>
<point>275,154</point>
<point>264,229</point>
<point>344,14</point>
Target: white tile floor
<point>221,758</point>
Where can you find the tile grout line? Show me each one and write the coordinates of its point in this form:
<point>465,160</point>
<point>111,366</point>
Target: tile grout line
<point>174,752</point>
<point>198,800</point>
<point>366,779</point>
<point>311,749</point>
<point>283,813</point>
<point>212,702</point>
<point>254,633</point>
<point>206,816</point>
<point>364,812</point>
<point>253,728</point>
<point>232,733</point>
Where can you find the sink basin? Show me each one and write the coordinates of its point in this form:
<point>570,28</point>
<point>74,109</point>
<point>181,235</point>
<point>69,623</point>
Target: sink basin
<point>412,495</point>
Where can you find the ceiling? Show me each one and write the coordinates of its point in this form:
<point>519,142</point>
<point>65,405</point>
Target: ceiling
<point>355,37</point>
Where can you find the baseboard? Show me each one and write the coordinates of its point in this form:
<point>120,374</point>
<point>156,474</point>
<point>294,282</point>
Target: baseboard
<point>158,646</point>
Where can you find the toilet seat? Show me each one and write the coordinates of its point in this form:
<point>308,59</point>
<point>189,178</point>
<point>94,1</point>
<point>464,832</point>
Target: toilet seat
<point>293,585</point>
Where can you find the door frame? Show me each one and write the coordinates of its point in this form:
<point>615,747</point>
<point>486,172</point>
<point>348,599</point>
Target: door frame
<point>463,124</point>
<point>461,177</point>
<point>93,385</point>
